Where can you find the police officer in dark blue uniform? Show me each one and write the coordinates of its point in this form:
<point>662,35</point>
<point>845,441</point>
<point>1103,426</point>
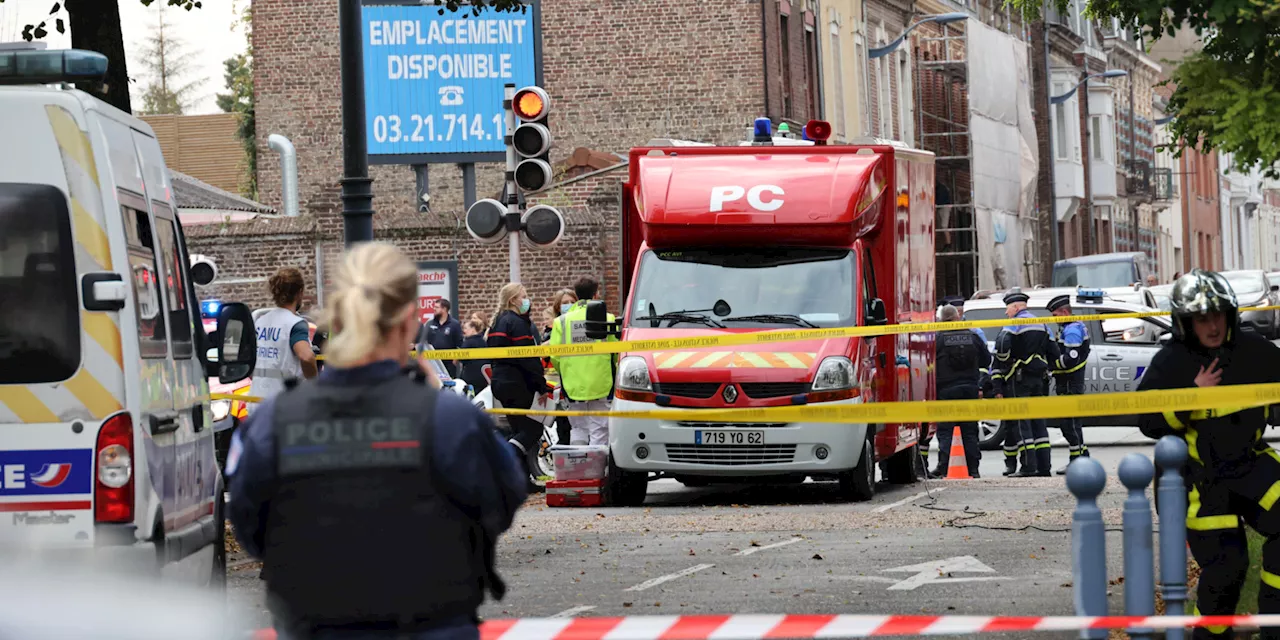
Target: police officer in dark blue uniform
<point>373,500</point>
<point>961,357</point>
<point>1068,372</point>
<point>1021,369</point>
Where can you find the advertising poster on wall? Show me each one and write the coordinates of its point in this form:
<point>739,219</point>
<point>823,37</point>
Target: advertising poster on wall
<point>436,280</point>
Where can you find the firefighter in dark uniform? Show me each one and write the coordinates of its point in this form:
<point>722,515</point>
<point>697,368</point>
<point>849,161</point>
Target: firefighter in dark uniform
<point>1068,372</point>
<point>1233,477</point>
<point>1021,369</point>
<point>961,357</point>
<point>373,500</point>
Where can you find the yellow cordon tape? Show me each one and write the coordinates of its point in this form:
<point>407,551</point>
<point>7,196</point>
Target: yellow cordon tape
<point>1104,404</point>
<point>767,337</point>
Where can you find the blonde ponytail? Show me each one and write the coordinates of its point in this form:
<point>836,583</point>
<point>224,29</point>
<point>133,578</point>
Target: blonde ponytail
<point>504,299</point>
<point>376,289</point>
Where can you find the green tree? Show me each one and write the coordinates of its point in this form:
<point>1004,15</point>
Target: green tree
<point>238,72</point>
<point>168,63</point>
<point>1226,96</point>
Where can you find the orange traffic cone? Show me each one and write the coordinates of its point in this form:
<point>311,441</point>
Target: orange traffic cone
<point>958,468</point>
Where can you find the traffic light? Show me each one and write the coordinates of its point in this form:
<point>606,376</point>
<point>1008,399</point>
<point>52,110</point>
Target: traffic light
<point>532,138</point>
<point>485,221</point>
<point>543,225</point>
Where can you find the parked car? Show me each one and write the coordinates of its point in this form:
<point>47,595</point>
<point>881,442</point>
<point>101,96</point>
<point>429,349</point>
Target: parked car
<point>1163,294</point>
<point>1254,289</point>
<point>1120,349</point>
<point>1102,270</point>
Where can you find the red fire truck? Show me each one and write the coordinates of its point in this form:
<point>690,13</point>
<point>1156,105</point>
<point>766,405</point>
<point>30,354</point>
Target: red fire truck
<point>775,234</point>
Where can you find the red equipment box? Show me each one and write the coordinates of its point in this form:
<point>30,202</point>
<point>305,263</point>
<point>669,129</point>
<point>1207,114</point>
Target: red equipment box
<point>575,493</point>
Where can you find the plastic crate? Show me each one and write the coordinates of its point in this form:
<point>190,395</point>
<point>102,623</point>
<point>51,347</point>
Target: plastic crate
<point>581,462</point>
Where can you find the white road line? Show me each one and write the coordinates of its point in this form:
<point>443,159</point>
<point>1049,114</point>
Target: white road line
<point>751,550</point>
<point>569,613</point>
<point>884,508</point>
<point>649,584</point>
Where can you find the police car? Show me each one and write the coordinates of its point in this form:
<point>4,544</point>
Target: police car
<point>104,402</point>
<point>1120,349</point>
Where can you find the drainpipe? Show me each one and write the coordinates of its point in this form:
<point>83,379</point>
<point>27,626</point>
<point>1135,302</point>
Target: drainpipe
<point>288,172</point>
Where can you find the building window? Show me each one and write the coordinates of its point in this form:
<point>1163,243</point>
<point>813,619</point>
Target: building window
<point>811,60</point>
<point>837,71</point>
<point>1060,124</point>
<point>786,66</point>
<point>1096,137</point>
<point>905,96</point>
<point>864,84</point>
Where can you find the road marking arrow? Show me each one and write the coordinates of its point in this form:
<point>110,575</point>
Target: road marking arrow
<point>936,571</point>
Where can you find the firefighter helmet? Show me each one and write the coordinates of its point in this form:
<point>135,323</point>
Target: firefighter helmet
<point>1200,292</point>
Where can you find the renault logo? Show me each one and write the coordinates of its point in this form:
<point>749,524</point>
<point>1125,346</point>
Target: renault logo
<point>730,394</point>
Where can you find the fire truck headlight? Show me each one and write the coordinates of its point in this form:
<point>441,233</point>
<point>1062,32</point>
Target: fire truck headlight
<point>835,373</point>
<point>220,409</point>
<point>633,374</point>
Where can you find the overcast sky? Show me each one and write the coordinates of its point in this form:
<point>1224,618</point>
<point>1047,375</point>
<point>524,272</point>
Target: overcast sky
<point>211,33</point>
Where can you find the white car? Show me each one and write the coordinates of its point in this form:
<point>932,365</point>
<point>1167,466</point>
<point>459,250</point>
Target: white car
<point>1119,353</point>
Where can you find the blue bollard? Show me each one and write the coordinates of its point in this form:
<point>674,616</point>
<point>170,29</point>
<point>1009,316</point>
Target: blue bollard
<point>1136,472</point>
<point>1086,479</point>
<point>1171,455</point>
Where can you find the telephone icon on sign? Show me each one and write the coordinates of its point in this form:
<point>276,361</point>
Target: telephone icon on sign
<point>450,96</point>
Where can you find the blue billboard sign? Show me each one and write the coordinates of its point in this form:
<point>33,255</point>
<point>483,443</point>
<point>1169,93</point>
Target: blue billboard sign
<point>434,80</point>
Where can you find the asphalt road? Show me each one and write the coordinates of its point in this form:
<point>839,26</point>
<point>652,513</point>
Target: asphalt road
<point>1002,545</point>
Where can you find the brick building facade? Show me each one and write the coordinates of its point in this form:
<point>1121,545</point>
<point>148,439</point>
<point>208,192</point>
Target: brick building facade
<point>618,76</point>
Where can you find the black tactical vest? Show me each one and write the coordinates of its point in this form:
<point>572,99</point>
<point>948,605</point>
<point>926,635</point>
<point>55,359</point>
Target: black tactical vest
<point>359,536</point>
<point>957,359</point>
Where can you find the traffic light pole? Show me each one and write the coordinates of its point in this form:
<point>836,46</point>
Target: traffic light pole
<point>513,199</point>
<point>357,187</point>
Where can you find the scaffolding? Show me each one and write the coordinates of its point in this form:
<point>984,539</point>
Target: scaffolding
<point>942,76</point>
<point>944,122</point>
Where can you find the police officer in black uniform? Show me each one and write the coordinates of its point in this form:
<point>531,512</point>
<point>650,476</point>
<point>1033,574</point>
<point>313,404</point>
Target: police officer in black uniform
<point>1233,477</point>
<point>1068,372</point>
<point>373,500</point>
<point>1021,369</point>
<point>961,357</point>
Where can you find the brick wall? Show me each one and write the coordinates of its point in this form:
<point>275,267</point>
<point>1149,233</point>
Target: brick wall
<point>791,101</point>
<point>590,247</point>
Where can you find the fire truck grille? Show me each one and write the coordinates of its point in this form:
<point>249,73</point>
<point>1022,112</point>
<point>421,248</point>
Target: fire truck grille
<point>731,455</point>
<point>774,389</point>
<point>687,389</point>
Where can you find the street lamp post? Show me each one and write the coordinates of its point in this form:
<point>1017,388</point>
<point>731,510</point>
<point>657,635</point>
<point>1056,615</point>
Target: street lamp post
<point>357,187</point>
<point>1088,197</point>
<point>944,18</point>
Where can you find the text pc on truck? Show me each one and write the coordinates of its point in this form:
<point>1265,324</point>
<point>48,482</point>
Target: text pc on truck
<point>776,234</point>
<point>106,438</point>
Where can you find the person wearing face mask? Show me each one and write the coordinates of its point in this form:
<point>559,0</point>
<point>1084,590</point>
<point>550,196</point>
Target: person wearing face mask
<point>284,338</point>
<point>1232,477</point>
<point>374,500</point>
<point>515,381</point>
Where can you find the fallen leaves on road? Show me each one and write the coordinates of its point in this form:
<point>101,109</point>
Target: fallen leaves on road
<point>692,553</point>
<point>817,556</point>
<point>755,543</point>
<point>626,605</point>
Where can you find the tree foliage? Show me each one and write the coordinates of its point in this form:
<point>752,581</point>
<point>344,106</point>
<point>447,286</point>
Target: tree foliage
<point>167,62</point>
<point>238,72</point>
<point>1225,96</point>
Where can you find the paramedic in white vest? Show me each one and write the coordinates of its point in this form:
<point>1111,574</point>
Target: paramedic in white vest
<point>284,340</point>
<point>587,380</point>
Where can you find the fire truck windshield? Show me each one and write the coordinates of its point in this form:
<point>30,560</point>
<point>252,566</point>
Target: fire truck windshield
<point>765,288</point>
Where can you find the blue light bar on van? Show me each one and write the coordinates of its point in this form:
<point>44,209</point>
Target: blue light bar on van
<point>210,308</point>
<point>48,67</point>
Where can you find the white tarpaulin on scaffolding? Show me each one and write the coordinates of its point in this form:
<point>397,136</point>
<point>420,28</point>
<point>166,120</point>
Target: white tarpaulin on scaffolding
<point>1002,139</point>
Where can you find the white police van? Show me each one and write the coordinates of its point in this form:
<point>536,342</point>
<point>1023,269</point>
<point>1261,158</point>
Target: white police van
<point>107,451</point>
